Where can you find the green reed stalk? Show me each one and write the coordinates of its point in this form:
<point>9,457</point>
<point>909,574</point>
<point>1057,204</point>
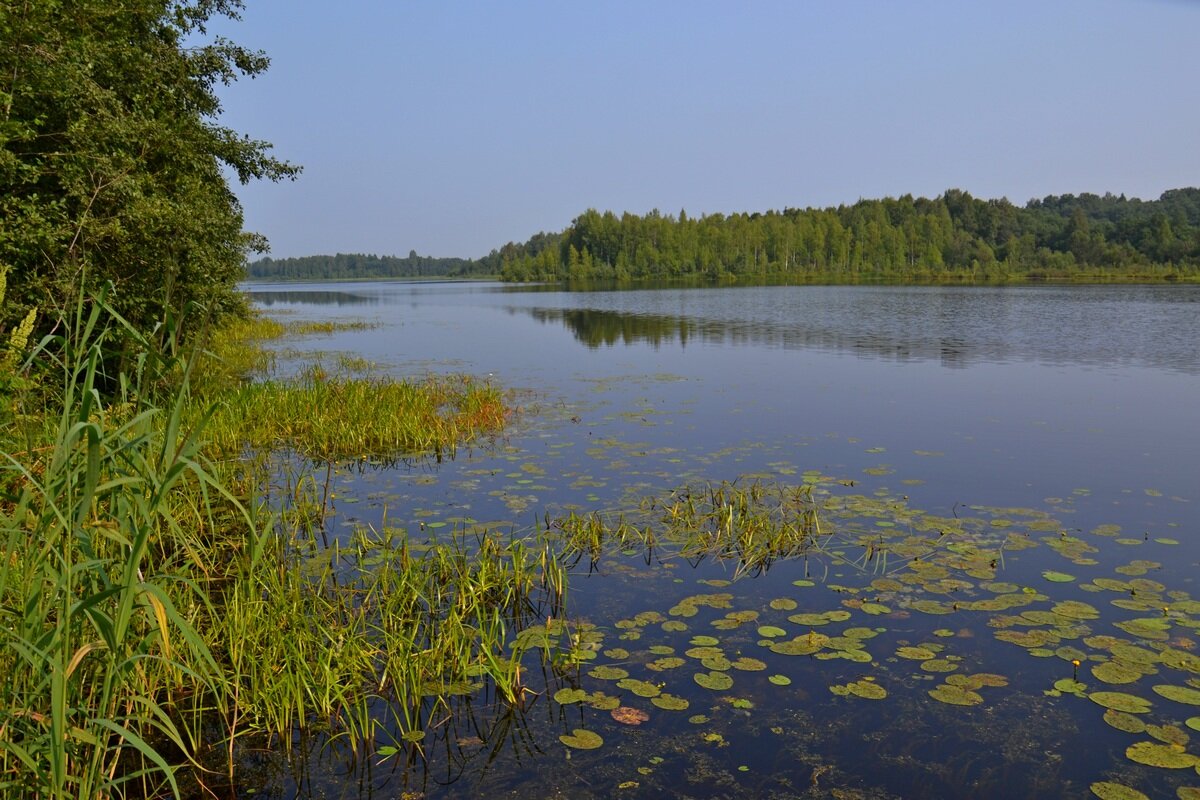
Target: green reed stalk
<point>96,649</point>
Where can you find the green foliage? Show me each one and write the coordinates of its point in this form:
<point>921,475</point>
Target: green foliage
<point>102,524</point>
<point>952,238</point>
<point>352,266</point>
<point>111,159</point>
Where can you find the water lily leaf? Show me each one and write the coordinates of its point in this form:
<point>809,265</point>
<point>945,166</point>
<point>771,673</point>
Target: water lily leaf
<point>868,690</point>
<point>566,696</point>
<point>1106,790</point>
<point>670,702</point>
<point>698,719</point>
<point>1114,672</point>
<point>662,650</point>
<point>703,652</point>
<point>784,680</point>
<point>673,625</point>
<point>875,608</point>
<point>749,664</point>
<point>627,715</point>
<point>1057,577</point>
<point>717,681</point>
<point>665,663</point>
<point>1180,694</point>
<point>617,653</point>
<point>705,641</point>
<point>1193,723</point>
<point>606,673</point>
<point>938,665</point>
<point>1119,701</point>
<point>771,632</point>
<point>955,695</point>
<point>1160,755</point>
<point>915,653</point>
<point>1070,686</point>
<point>1168,734</point>
<point>603,702</point>
<point>640,688</point>
<point>1188,793</point>
<point>581,739</point>
<point>783,604</point>
<point>1075,610</point>
<point>1124,722</point>
<point>800,646</point>
<point>718,662</point>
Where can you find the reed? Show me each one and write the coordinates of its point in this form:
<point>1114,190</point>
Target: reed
<point>327,418</point>
<point>751,525</point>
<point>321,638</point>
<point>98,595</point>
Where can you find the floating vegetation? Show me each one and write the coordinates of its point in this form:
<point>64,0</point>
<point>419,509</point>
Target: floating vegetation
<point>581,739</point>
<point>717,681</point>
<point>866,689</point>
<point>1106,790</point>
<point>628,715</point>
<point>1119,701</point>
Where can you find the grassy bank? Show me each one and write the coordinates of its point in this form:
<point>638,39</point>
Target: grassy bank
<point>144,585</point>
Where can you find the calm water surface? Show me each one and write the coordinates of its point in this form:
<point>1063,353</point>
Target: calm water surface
<point>1057,414</point>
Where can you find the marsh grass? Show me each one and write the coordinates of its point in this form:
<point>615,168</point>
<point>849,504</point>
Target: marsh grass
<point>377,635</point>
<point>325,417</point>
<point>750,525</point>
<point>152,613</point>
<point>100,525</point>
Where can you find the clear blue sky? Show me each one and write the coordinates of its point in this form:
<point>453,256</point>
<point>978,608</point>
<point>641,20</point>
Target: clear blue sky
<point>450,128</point>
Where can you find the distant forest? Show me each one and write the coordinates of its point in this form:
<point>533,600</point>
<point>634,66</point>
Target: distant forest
<point>951,238</point>
<point>349,266</point>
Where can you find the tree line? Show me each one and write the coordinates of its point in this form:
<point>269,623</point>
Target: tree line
<point>344,266</point>
<point>950,238</point>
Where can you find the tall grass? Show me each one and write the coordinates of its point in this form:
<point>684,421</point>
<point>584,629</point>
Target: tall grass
<point>751,525</point>
<point>324,417</point>
<point>98,602</point>
<point>150,610</point>
<point>325,638</point>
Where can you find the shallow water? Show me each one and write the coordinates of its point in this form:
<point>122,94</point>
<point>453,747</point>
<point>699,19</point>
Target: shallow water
<point>1045,415</point>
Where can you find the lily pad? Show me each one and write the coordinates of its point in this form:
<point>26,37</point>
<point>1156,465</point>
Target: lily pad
<point>1119,701</point>
<point>955,695</point>
<point>1124,722</point>
<point>1107,790</point>
<point>1180,694</point>
<point>749,664</point>
<point>566,696</point>
<point>606,673</point>
<point>784,680</point>
<point>670,702</point>
<point>915,653</point>
<point>628,715</point>
<point>640,688</point>
<point>717,681</point>
<point>771,632</point>
<point>1160,755</point>
<point>581,739</point>
<point>1115,672</point>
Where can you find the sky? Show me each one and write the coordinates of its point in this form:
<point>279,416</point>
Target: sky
<point>451,128</point>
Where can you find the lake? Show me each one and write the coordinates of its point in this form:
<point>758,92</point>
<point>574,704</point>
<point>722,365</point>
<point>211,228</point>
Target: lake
<point>1005,480</point>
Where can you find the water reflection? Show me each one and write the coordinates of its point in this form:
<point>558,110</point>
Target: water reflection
<point>310,297</point>
<point>595,329</point>
<point>1126,326</point>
